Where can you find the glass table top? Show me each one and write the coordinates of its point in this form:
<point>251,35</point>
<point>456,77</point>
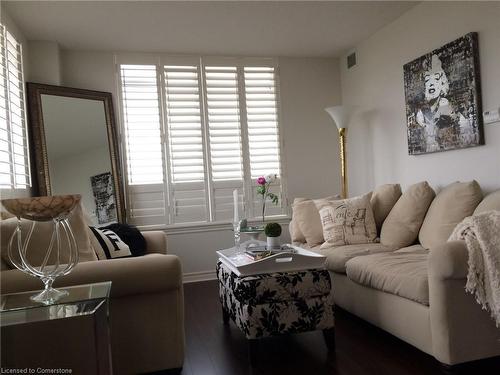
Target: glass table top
<point>18,308</point>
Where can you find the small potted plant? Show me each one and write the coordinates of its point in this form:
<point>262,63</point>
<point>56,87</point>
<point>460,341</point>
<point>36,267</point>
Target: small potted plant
<point>273,233</point>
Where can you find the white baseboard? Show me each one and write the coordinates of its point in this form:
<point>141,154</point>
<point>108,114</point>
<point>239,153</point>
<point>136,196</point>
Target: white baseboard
<point>194,277</point>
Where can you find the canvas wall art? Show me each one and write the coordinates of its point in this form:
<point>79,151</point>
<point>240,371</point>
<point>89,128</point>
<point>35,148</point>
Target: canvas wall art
<point>443,98</point>
<point>104,196</point>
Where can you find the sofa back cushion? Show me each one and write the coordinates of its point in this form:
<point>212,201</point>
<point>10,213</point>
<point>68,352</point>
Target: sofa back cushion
<point>401,227</point>
<point>453,204</point>
<point>490,203</point>
<point>41,238</point>
<point>347,221</point>
<point>306,221</point>
<point>384,198</point>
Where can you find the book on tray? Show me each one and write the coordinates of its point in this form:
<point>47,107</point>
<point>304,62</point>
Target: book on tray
<point>261,252</point>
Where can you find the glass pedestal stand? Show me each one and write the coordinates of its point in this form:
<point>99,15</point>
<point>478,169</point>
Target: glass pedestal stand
<point>253,233</point>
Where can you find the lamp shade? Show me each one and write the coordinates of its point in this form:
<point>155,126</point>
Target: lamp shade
<point>340,114</point>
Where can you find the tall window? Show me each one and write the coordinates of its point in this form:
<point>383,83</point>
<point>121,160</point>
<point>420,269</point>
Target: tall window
<point>14,158</point>
<point>194,132</point>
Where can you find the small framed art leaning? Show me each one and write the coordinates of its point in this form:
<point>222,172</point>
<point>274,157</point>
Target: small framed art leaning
<point>443,98</point>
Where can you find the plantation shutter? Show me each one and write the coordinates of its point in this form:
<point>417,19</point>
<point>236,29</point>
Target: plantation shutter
<point>14,154</point>
<point>261,100</point>
<point>224,129</point>
<point>196,129</point>
<point>142,122</point>
<point>186,143</point>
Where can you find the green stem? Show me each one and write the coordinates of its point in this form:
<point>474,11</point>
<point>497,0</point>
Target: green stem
<point>264,197</point>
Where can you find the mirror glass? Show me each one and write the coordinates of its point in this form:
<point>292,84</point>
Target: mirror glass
<point>78,153</point>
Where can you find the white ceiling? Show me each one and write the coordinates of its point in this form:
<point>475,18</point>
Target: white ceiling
<point>251,28</point>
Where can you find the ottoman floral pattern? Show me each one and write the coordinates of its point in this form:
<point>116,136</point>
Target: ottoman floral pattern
<point>277,303</point>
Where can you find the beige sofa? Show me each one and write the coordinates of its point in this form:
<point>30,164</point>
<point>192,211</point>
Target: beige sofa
<point>146,305</point>
<point>417,293</point>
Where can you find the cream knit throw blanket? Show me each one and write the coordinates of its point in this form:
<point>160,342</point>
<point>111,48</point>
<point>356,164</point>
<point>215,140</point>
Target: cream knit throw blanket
<point>482,237</point>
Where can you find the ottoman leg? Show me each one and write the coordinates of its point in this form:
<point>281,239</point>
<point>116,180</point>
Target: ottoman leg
<point>329,336</point>
<point>225,316</point>
<point>252,351</point>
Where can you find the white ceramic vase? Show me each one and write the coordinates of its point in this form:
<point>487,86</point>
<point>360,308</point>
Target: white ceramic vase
<point>273,242</point>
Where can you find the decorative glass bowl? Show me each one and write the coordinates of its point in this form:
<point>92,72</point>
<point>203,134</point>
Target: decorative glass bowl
<point>62,246</point>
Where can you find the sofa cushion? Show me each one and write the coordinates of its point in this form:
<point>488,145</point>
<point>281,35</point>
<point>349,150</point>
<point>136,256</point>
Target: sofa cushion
<point>403,274</point>
<point>453,204</point>
<point>337,256</point>
<point>401,227</point>
<point>296,234</point>
<point>347,221</point>
<point>384,198</point>
<point>490,203</point>
<point>41,237</point>
<point>306,219</point>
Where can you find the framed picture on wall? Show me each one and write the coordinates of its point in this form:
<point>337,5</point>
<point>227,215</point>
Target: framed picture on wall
<point>443,98</point>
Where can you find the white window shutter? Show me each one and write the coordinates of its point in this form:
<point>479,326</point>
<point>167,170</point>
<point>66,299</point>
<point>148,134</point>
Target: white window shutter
<point>143,145</point>
<point>14,154</point>
<point>224,129</point>
<point>185,143</point>
<point>6,178</point>
<point>261,101</point>
<point>220,124</point>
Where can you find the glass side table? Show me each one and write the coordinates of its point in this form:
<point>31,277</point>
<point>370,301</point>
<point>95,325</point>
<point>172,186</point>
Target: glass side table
<point>72,334</point>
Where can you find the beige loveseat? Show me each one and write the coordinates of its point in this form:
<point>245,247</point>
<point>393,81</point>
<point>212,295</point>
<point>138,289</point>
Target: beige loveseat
<point>146,305</point>
<point>416,291</point>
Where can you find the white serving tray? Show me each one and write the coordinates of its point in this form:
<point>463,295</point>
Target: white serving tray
<point>242,265</point>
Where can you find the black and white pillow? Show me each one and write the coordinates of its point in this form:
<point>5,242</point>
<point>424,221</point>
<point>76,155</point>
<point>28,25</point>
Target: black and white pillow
<point>107,244</point>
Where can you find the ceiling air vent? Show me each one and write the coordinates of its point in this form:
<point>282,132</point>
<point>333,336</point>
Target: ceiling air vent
<point>351,60</point>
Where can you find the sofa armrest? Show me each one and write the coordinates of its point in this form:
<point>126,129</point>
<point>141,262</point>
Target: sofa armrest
<point>461,330</point>
<point>449,261</point>
<point>156,242</point>
<point>152,273</point>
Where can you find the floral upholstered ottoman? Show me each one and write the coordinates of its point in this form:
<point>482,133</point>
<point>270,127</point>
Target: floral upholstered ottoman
<point>277,303</point>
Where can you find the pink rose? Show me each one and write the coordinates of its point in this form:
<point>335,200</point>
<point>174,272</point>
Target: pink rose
<point>261,181</point>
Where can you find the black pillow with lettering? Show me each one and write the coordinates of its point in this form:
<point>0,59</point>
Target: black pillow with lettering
<point>131,236</point>
<point>107,244</point>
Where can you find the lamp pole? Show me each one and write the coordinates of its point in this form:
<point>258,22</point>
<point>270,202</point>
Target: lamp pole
<point>341,116</point>
<point>343,161</point>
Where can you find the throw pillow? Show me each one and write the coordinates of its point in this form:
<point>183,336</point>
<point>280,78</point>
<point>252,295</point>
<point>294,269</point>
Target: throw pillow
<point>490,203</point>
<point>383,200</point>
<point>453,204</point>
<point>306,217</point>
<point>107,245</point>
<point>401,227</point>
<point>41,238</point>
<point>295,233</point>
<point>347,221</point>
<point>131,236</point>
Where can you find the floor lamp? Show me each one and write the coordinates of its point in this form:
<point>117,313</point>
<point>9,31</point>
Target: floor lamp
<point>341,116</point>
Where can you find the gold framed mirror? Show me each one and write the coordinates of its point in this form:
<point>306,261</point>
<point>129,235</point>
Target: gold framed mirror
<point>74,148</point>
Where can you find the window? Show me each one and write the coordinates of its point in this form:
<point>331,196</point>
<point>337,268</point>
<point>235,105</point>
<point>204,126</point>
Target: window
<point>14,157</point>
<point>195,130</point>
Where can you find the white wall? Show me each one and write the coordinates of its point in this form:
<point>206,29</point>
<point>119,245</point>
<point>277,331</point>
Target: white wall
<point>377,144</point>
<point>44,62</point>
<point>307,86</point>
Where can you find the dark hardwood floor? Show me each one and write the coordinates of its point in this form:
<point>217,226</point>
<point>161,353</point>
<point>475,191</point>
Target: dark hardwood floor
<point>361,349</point>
